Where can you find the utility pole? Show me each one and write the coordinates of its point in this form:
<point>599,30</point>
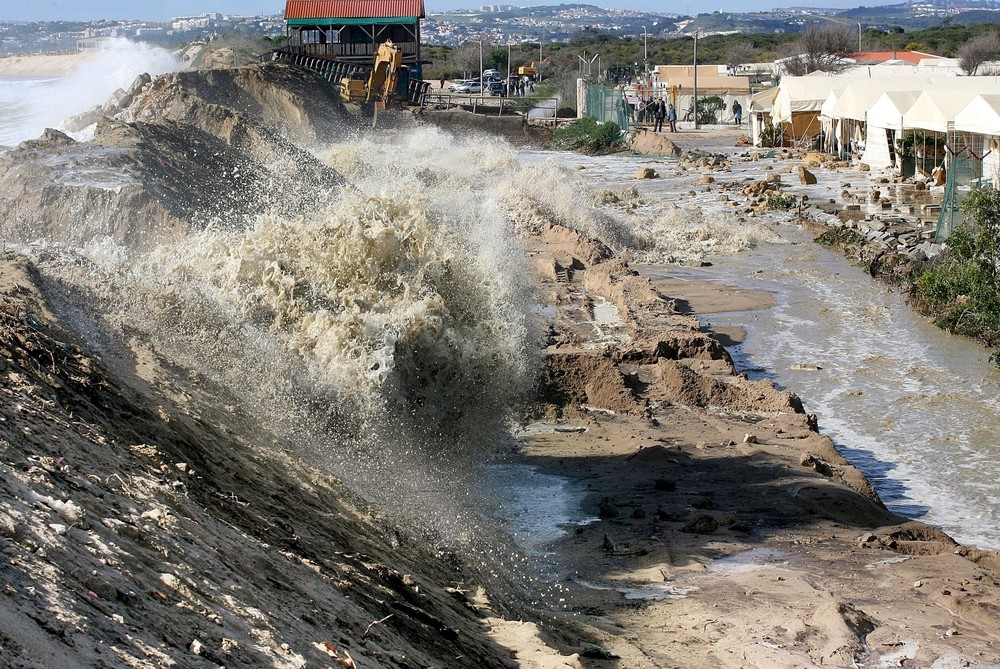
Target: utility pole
<point>696,79</point>
<point>859,38</point>
<point>645,53</point>
<point>506,84</point>
<point>480,67</point>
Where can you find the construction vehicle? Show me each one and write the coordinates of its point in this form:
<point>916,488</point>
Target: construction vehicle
<point>387,82</point>
<point>380,84</point>
<point>530,71</point>
<point>354,86</point>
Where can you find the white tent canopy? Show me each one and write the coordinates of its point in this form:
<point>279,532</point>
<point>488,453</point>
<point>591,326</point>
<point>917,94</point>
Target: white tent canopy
<point>981,115</point>
<point>809,93</point>
<point>826,109</point>
<point>936,109</point>
<point>887,112</point>
<point>857,98</point>
<point>801,94</point>
<point>761,101</point>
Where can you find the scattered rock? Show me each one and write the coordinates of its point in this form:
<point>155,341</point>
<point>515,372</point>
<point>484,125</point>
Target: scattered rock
<point>595,651</point>
<point>703,524</point>
<point>806,177</point>
<point>607,510</point>
<point>816,464</point>
<point>668,515</point>
<point>646,173</point>
<point>666,485</point>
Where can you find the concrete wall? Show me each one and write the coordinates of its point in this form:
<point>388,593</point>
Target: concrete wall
<point>514,128</point>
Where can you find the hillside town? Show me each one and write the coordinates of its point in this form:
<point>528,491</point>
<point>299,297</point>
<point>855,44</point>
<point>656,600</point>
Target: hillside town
<point>496,23</point>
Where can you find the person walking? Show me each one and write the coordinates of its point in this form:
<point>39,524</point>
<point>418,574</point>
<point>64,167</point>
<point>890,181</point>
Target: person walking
<point>659,112</point>
<point>672,117</point>
<point>442,82</point>
<point>737,112</point>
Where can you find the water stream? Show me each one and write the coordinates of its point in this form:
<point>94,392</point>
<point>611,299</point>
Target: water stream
<point>916,409</point>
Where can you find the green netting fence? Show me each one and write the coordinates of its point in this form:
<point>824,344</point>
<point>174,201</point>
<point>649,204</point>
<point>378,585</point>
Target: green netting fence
<point>965,174</point>
<point>605,103</point>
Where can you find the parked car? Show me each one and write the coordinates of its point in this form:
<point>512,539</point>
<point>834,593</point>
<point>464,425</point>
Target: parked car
<point>492,75</point>
<point>469,87</point>
<point>459,82</point>
<point>496,88</point>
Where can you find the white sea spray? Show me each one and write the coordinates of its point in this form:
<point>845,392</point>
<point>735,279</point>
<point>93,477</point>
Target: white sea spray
<point>689,236</point>
<point>29,104</point>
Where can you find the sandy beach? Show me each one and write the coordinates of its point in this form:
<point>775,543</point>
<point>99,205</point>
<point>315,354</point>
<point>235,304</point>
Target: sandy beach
<point>52,65</point>
<point>155,516</point>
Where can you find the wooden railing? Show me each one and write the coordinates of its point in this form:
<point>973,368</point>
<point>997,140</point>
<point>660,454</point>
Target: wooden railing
<point>364,51</point>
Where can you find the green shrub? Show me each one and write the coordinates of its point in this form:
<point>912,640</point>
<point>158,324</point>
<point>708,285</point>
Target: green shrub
<point>961,289</point>
<point>588,135</point>
<point>771,135</point>
<point>777,200</point>
<point>709,108</point>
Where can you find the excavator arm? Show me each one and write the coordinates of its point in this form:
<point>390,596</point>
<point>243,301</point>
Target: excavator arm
<point>384,76</point>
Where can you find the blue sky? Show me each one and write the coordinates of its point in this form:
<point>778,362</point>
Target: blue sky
<point>83,10</point>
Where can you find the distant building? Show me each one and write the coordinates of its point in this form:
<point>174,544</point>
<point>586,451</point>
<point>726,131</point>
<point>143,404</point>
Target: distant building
<point>88,43</point>
<point>350,31</point>
<point>185,23</point>
<point>711,81</point>
<point>876,57</point>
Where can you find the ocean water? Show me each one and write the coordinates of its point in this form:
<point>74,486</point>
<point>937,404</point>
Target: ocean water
<point>392,335</point>
<point>29,104</point>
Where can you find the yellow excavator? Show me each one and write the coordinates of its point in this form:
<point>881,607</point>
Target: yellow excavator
<point>382,80</point>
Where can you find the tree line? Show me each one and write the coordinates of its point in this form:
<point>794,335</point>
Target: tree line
<point>821,46</point>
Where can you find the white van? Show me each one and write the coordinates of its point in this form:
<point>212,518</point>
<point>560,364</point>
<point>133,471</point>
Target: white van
<point>492,75</point>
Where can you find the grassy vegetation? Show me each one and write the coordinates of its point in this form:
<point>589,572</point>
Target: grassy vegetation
<point>588,135</point>
<point>246,48</point>
<point>625,52</point>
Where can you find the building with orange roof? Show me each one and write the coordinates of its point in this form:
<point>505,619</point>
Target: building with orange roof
<point>876,57</point>
<point>350,31</point>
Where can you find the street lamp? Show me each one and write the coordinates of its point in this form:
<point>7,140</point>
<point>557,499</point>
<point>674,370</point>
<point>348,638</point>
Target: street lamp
<point>480,66</point>
<point>859,38</point>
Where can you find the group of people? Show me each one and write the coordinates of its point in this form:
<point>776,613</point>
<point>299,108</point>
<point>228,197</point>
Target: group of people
<point>657,110</point>
<point>520,87</point>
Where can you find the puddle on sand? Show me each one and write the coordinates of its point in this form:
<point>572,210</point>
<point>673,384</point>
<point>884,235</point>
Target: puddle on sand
<point>755,558</point>
<point>545,310</point>
<point>538,507</point>
<point>649,592</point>
<point>606,313</point>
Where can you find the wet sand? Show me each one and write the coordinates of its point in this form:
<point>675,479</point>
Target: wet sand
<point>731,532</point>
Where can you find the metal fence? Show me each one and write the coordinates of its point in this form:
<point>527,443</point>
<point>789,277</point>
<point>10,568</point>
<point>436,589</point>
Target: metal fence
<point>965,174</point>
<point>606,103</point>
